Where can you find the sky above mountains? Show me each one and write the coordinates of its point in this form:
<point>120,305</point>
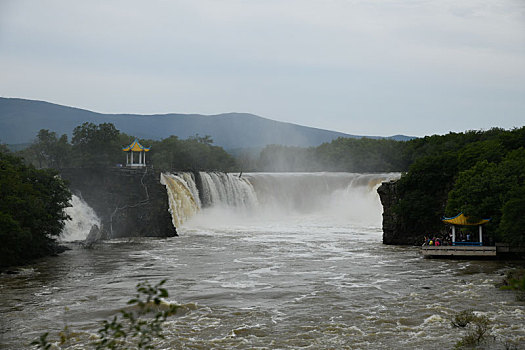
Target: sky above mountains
<point>385,67</point>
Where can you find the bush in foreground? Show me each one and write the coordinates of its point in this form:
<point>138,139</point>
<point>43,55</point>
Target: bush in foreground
<point>135,328</point>
<point>31,210</point>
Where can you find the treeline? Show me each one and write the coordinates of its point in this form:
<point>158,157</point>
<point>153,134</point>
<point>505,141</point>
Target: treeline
<point>374,155</point>
<point>342,154</point>
<point>31,210</point>
<point>101,146</point>
<point>478,173</point>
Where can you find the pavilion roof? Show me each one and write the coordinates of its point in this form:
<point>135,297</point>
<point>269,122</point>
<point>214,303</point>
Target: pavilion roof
<point>136,147</point>
<point>463,220</point>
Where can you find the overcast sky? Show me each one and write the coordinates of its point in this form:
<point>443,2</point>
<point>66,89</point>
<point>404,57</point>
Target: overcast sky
<point>365,67</point>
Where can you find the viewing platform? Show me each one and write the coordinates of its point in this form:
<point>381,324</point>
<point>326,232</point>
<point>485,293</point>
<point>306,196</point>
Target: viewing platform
<point>501,251</point>
<point>459,251</point>
<point>461,248</point>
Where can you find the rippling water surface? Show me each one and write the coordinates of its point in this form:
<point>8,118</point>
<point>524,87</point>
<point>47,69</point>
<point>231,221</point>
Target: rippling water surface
<point>265,285</point>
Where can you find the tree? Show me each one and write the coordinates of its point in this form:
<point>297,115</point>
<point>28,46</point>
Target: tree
<point>492,190</point>
<point>490,150</point>
<point>137,327</point>
<point>31,210</point>
<point>479,173</point>
<point>195,153</point>
<point>512,226</point>
<point>423,192</point>
<point>96,145</point>
<point>4,148</point>
<point>48,151</point>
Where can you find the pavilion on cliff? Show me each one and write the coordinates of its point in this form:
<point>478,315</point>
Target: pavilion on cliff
<point>131,150</point>
<point>462,220</point>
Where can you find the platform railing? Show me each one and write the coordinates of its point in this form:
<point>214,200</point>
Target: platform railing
<point>468,243</point>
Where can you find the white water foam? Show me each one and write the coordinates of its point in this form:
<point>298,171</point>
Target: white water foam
<point>83,217</point>
<point>221,189</point>
<point>226,199</point>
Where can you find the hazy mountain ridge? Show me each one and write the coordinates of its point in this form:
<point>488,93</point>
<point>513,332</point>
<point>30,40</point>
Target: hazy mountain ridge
<point>20,121</point>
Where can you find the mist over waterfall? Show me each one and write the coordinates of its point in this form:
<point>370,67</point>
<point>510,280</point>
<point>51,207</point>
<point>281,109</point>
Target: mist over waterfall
<point>224,198</point>
<point>83,218</point>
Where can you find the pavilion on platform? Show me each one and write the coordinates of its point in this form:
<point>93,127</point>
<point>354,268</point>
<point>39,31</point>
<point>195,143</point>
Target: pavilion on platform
<point>462,220</point>
<point>136,154</point>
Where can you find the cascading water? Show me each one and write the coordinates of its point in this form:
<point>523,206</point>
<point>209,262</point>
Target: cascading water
<point>182,195</point>
<point>83,218</point>
<point>227,189</point>
<point>349,197</point>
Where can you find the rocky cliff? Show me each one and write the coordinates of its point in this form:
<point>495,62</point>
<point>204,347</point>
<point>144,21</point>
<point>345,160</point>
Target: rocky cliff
<point>129,202</point>
<point>395,231</point>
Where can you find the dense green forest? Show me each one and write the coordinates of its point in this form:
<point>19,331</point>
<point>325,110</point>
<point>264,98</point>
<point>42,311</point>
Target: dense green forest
<point>101,145</point>
<point>31,210</point>
<point>478,173</point>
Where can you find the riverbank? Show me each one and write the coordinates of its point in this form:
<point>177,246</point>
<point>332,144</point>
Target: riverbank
<point>52,250</point>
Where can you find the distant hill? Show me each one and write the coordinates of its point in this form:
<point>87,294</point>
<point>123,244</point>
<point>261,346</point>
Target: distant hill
<point>20,121</point>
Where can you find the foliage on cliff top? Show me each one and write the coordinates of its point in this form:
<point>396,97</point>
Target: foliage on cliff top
<point>194,153</point>
<point>31,210</point>
<point>91,146</point>
<point>101,146</point>
<point>481,174</point>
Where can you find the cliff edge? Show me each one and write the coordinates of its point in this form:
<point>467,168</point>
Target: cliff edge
<point>395,231</point>
<point>129,202</point>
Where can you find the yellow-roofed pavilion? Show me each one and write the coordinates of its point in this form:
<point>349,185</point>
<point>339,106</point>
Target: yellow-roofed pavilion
<point>135,147</point>
<point>462,220</point>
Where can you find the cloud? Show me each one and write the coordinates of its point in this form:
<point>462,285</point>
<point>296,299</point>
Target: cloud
<point>368,67</point>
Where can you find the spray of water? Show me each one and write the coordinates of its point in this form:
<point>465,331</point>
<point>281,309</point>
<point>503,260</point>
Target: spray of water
<point>276,197</point>
<point>83,218</point>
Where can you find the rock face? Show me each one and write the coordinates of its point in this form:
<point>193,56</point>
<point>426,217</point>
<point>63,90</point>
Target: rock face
<point>129,202</point>
<point>394,230</point>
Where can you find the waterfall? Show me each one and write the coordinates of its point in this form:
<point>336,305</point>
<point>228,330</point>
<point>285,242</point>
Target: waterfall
<point>349,196</point>
<point>227,190</point>
<point>182,195</point>
<point>83,218</point>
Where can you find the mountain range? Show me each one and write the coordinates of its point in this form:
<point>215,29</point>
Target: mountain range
<point>21,119</point>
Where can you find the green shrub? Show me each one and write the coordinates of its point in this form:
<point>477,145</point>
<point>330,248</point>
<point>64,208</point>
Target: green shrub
<point>477,328</point>
<point>135,327</point>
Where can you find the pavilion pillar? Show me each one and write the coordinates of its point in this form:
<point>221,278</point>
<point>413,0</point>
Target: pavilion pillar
<point>453,234</point>
<point>135,147</point>
<point>480,234</point>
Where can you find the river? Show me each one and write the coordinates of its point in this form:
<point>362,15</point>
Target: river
<point>313,278</point>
